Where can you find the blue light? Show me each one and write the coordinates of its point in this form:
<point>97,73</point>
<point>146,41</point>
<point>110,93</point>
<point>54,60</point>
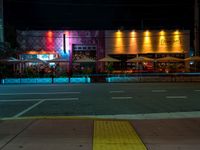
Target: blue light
<point>64,55</point>
<point>120,79</point>
<point>80,80</point>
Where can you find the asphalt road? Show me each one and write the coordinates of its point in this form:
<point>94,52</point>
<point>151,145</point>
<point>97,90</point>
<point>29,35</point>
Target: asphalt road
<point>98,99</point>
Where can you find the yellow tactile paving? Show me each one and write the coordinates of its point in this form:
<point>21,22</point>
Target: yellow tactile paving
<point>116,135</point>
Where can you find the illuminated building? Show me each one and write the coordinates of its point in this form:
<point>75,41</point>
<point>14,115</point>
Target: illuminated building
<point>149,42</point>
<point>123,44</point>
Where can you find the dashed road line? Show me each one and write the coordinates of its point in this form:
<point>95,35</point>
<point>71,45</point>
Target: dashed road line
<point>121,97</point>
<point>158,91</point>
<point>176,97</point>
<point>50,93</point>
<point>121,91</point>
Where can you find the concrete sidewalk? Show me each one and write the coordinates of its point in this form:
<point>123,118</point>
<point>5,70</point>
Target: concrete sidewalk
<point>65,134</point>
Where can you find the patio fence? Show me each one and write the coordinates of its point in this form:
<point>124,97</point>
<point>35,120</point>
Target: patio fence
<point>109,78</point>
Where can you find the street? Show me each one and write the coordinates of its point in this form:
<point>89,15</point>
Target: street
<point>156,116</point>
<point>122,99</point>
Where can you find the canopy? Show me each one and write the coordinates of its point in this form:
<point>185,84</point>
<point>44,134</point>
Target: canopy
<point>140,59</point>
<point>169,59</point>
<point>35,60</point>
<point>193,58</point>
<point>58,60</point>
<point>33,52</point>
<point>85,60</point>
<point>11,60</point>
<point>108,59</point>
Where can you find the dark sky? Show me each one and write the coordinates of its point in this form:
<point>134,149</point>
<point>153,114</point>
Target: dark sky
<point>99,14</point>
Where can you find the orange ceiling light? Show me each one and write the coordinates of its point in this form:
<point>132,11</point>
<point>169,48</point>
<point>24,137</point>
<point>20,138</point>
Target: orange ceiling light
<point>176,32</point>
<point>162,33</point>
<point>49,33</point>
<point>147,33</point>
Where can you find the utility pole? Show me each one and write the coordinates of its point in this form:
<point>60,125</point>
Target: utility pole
<point>196,28</point>
<point>1,22</point>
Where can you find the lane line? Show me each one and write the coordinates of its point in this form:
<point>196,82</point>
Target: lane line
<point>49,99</point>
<point>116,135</point>
<point>121,97</point>
<point>28,109</point>
<point>197,90</point>
<point>51,93</point>
<point>121,91</point>
<point>158,91</point>
<point>20,100</point>
<point>176,97</point>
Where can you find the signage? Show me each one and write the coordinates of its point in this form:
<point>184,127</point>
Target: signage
<point>171,41</point>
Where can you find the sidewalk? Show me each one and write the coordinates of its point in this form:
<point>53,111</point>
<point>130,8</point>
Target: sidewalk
<point>61,134</point>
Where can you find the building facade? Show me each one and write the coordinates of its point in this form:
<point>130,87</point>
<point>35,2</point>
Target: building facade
<point>147,42</point>
<point>124,45</point>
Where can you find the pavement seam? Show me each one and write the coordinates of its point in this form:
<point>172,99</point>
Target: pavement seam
<point>132,125</point>
<point>20,132</point>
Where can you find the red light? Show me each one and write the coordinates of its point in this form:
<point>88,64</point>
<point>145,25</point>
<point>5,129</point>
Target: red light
<point>66,33</point>
<point>49,40</point>
<point>49,33</point>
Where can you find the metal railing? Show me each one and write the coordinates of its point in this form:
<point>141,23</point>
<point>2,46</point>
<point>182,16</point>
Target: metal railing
<point>96,78</point>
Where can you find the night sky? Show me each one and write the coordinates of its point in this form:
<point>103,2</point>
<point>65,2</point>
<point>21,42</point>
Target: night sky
<point>99,14</point>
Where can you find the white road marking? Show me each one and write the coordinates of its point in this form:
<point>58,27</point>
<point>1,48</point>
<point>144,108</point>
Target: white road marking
<point>28,109</point>
<point>122,97</point>
<point>20,100</point>
<point>38,103</point>
<point>63,99</point>
<point>49,99</point>
<point>197,90</point>
<point>117,91</point>
<point>176,97</point>
<point>158,91</point>
<point>50,93</point>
